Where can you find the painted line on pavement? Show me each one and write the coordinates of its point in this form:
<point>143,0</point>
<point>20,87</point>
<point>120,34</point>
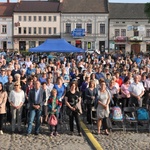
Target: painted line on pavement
<point>90,137</point>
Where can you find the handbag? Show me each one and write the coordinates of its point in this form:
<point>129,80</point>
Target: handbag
<point>107,124</point>
<point>52,120</point>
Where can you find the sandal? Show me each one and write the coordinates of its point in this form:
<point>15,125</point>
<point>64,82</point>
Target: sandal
<point>106,132</point>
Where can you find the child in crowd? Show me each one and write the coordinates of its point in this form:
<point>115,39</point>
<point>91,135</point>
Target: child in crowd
<point>53,106</point>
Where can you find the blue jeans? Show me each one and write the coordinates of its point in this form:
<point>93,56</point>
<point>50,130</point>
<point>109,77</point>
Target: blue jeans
<point>34,113</point>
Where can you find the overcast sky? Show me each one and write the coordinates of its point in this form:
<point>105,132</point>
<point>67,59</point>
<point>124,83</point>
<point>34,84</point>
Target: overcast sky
<point>118,1</point>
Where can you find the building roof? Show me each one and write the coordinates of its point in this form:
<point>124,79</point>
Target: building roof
<point>127,11</point>
<point>6,9</point>
<point>37,6</point>
<point>85,6</point>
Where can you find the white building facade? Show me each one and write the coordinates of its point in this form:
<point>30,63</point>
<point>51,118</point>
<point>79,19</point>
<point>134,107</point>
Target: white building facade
<point>85,25</point>
<point>32,28</point>
<point>6,41</point>
<point>95,26</point>
<point>128,31</point>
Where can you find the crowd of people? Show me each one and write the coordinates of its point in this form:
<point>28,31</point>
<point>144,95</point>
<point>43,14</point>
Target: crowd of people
<point>34,87</point>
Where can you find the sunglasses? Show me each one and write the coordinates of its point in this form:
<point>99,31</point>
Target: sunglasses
<point>16,85</point>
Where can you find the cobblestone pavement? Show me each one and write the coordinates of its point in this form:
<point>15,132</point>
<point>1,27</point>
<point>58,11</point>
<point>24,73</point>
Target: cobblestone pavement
<point>119,140</point>
<point>43,141</point>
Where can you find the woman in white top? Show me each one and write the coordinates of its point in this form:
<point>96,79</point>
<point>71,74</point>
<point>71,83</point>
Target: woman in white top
<point>103,106</point>
<point>16,99</point>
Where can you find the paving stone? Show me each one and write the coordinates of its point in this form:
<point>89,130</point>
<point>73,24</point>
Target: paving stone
<point>42,141</point>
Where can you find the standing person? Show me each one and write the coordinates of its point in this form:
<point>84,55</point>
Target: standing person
<point>147,88</point>
<point>16,99</point>
<point>3,76</point>
<point>3,100</point>
<point>15,71</point>
<point>90,95</point>
<point>46,96</point>
<point>125,92</point>
<point>103,106</point>
<point>59,86</point>
<point>9,86</point>
<point>53,106</point>
<point>71,99</point>
<point>136,90</point>
<point>36,102</point>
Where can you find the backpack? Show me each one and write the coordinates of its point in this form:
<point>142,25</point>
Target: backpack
<point>142,114</point>
<point>117,113</point>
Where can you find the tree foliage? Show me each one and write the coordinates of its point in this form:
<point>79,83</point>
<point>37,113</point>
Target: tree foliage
<point>147,10</point>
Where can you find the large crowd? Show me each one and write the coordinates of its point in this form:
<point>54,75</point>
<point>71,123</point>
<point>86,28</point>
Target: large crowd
<point>34,87</point>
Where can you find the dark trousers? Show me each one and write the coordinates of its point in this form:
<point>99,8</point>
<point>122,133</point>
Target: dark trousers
<point>134,102</point>
<point>125,102</point>
<point>1,121</point>
<point>71,118</point>
<point>89,107</point>
<point>8,111</point>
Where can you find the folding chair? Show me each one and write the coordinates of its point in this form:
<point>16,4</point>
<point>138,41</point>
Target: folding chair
<point>130,118</point>
<point>144,120</point>
<point>93,117</point>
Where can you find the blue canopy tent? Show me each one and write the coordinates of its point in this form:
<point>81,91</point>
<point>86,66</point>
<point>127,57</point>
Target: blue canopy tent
<point>56,45</point>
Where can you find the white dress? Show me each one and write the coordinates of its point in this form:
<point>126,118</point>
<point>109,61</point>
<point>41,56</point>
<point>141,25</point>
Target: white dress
<point>101,111</point>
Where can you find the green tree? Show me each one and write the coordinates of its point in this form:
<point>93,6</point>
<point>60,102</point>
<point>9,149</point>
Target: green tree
<point>147,10</point>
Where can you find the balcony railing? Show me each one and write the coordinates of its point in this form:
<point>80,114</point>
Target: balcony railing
<point>136,39</point>
<point>120,39</point>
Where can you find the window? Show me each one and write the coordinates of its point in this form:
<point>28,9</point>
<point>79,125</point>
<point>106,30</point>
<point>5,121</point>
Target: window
<point>24,18</point>
<point>135,30</point>
<point>102,28</point>
<point>19,30</point>
<point>29,18</point>
<point>54,30</point>
<point>123,32</point>
<point>68,27</point>
<point>49,31</point>
<point>89,45</point>
<point>44,18</point>
<point>148,33</point>
<point>34,18</point>
<point>20,18</point>
<point>117,32</point>
<point>78,25</point>
<point>40,30</point>
<point>148,47</point>
<point>50,18</point>
<point>29,30</point>
<point>40,42</point>
<point>89,28</point>
<point>44,30</point>
<point>32,44</point>
<point>34,30</point>
<point>4,29</point>
<point>24,30</point>
<point>40,19</point>
<point>54,18</point>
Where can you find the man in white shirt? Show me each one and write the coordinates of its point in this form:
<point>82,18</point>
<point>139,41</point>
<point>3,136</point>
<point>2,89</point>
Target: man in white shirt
<point>136,90</point>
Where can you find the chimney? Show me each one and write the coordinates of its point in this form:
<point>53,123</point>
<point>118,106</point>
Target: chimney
<point>7,1</point>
